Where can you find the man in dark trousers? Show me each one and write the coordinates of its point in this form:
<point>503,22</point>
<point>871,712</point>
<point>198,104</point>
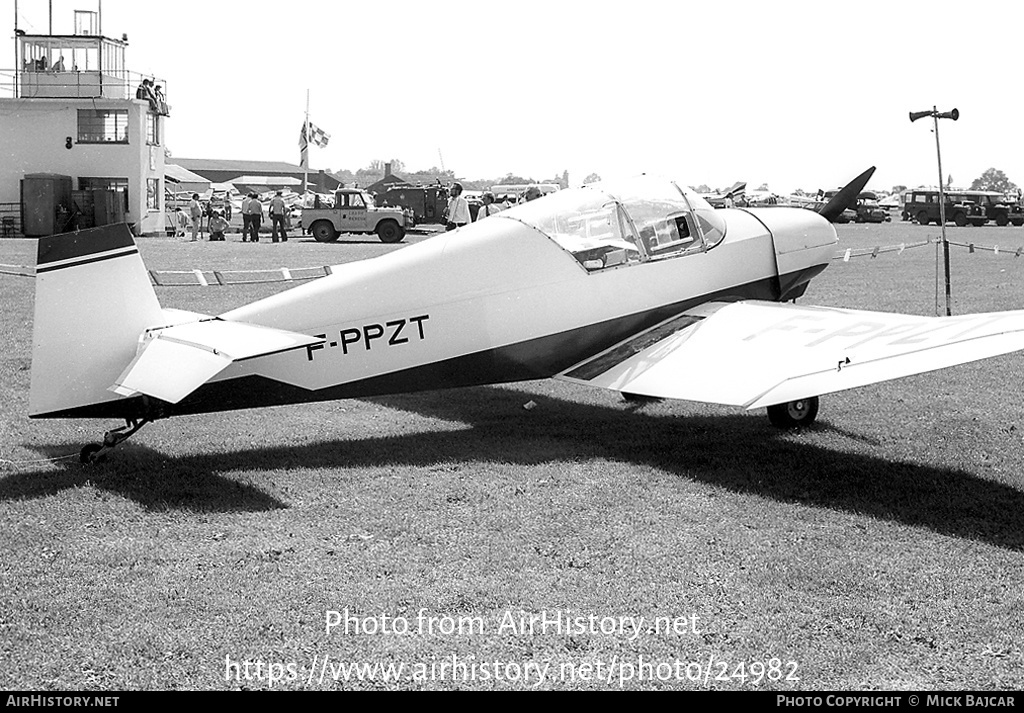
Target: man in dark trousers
<point>254,212</point>
<point>278,213</point>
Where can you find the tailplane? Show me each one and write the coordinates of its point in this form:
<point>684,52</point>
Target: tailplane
<point>93,302</point>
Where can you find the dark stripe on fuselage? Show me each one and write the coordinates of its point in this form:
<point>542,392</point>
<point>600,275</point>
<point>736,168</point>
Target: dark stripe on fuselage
<point>533,359</point>
<point>82,244</point>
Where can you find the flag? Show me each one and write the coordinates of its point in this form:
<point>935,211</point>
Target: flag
<point>318,136</point>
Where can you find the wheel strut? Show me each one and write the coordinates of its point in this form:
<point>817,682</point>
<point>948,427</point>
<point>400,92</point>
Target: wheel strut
<point>96,452</point>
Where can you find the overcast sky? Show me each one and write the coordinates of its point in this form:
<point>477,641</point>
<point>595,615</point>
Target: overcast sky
<point>789,93</point>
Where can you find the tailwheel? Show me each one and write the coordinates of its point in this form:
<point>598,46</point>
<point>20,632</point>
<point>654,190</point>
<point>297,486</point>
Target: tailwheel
<point>88,454</point>
<point>794,414</point>
<point>97,453</point>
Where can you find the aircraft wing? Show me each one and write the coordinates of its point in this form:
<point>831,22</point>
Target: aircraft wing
<point>756,354</point>
<point>173,362</point>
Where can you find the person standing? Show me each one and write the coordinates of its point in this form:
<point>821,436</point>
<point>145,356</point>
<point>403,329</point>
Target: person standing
<point>246,218</point>
<point>180,223</point>
<point>278,212</point>
<point>195,212</point>
<point>488,206</point>
<point>458,209</point>
<point>255,213</point>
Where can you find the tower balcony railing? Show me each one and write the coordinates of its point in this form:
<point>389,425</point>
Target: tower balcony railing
<point>36,83</point>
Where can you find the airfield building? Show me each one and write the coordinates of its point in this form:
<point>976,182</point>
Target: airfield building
<point>83,137</point>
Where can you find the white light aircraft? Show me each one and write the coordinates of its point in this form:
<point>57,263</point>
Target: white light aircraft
<point>638,286</point>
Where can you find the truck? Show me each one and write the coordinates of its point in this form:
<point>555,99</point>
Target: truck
<point>922,205</point>
<point>354,212</point>
<point>997,208</point>
<point>427,203</point>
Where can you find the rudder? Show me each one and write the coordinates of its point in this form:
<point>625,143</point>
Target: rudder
<point>93,301</point>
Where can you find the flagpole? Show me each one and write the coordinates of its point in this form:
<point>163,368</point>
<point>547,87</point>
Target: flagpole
<point>305,163</point>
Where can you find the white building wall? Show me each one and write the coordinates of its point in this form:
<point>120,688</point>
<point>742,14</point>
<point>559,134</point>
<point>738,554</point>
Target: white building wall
<point>33,139</point>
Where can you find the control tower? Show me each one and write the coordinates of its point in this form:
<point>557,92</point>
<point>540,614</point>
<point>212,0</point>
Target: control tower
<point>78,122</point>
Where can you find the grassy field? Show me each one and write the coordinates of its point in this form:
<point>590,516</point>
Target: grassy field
<point>881,549</point>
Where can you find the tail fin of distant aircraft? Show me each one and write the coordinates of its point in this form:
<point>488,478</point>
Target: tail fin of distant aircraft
<point>93,301</point>
<point>737,189</point>
<point>846,197</point>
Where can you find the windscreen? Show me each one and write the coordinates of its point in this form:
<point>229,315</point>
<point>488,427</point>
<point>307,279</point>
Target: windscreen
<point>621,222</point>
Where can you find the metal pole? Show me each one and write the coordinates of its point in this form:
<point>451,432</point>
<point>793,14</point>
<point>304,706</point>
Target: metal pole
<point>305,162</point>
<point>17,42</point>
<point>51,17</point>
<point>942,211</point>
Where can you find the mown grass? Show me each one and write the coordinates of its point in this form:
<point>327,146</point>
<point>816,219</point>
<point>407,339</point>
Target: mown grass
<point>881,549</point>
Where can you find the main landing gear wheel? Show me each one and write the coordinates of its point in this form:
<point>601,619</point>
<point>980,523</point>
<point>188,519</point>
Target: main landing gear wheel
<point>794,414</point>
<point>97,453</point>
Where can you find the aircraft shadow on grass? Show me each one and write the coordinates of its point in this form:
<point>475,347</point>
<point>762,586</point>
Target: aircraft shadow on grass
<point>734,451</point>
<point>145,476</point>
<point>737,452</point>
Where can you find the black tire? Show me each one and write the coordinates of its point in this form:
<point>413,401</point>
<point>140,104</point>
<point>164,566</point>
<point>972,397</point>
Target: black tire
<point>390,232</point>
<point>922,217</point>
<point>960,219</point>
<point>86,455</point>
<point>1002,220</point>
<point>794,414</point>
<point>323,231</point>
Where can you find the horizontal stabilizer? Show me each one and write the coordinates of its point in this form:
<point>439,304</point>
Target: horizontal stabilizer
<point>175,361</point>
<point>755,354</point>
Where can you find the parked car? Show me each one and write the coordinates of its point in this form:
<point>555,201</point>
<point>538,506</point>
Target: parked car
<point>922,205</point>
<point>868,210</point>
<point>354,212</point>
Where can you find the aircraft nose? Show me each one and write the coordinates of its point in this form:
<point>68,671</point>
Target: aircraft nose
<point>797,229</point>
<point>804,243</point>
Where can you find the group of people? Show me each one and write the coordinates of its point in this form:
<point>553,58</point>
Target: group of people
<point>457,214</point>
<point>154,94</point>
<point>219,220</point>
<point>196,211</point>
<point>43,65</point>
<point>252,218</point>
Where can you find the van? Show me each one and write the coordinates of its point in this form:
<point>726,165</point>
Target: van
<point>922,205</point>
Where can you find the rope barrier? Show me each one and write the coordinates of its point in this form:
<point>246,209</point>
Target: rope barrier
<point>850,253</point>
<point>17,463</point>
<point>19,270</point>
<point>224,278</point>
<point>192,278</point>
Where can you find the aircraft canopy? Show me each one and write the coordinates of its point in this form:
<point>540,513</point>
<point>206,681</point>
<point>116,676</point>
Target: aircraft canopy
<point>615,222</point>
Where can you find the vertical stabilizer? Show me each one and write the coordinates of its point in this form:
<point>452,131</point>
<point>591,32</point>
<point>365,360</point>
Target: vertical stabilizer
<point>93,301</point>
